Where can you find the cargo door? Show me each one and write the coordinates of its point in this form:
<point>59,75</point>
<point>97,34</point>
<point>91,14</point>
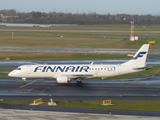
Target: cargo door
<point>28,69</point>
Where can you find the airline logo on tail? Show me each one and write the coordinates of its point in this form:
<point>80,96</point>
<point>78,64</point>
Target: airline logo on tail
<point>140,54</point>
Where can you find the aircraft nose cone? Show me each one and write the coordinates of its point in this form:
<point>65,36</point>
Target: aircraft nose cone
<point>10,74</point>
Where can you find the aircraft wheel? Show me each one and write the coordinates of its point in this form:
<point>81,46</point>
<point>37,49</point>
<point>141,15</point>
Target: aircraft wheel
<point>79,83</point>
<point>24,82</point>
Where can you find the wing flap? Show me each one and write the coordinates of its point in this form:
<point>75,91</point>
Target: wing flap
<point>78,75</point>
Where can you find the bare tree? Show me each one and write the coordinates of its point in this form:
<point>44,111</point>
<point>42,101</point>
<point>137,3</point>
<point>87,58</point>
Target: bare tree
<point>69,18</point>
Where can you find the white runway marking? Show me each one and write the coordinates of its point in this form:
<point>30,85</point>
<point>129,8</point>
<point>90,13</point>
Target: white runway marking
<point>30,83</point>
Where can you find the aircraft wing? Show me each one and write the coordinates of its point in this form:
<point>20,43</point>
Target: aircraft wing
<point>79,75</point>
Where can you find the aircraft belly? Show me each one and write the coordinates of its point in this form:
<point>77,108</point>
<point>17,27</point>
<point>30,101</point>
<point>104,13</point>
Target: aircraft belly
<point>110,73</point>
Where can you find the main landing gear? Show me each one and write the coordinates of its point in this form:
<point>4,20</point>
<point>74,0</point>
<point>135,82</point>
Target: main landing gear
<point>24,81</point>
<point>79,82</point>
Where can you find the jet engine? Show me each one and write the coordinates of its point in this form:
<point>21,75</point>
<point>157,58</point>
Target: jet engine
<point>63,79</point>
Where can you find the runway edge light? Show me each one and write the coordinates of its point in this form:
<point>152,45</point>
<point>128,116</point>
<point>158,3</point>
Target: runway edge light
<point>130,55</point>
<point>151,42</point>
<point>107,102</point>
<point>52,103</point>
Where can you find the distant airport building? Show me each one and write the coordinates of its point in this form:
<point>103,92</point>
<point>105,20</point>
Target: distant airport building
<point>6,17</point>
<point>36,25</point>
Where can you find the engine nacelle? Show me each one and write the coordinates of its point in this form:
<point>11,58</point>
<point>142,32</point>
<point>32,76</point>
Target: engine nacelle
<point>63,79</point>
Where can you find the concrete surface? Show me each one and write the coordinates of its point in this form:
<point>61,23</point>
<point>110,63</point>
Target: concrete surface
<point>74,50</point>
<point>7,114</point>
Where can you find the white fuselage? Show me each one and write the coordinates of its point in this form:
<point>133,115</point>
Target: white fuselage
<point>85,71</point>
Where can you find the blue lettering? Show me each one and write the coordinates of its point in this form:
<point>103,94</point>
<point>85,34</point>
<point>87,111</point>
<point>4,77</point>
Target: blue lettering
<point>38,68</point>
<point>85,68</point>
<point>71,68</point>
<point>139,55</point>
<point>44,69</point>
<point>61,69</point>
<point>51,69</point>
<point>77,68</point>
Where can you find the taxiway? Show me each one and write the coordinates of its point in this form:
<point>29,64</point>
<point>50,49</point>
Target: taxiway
<point>131,89</point>
<point>74,50</point>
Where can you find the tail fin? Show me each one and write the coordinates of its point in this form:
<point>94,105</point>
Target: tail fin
<point>139,59</point>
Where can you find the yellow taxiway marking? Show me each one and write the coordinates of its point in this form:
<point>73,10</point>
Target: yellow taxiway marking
<point>28,84</point>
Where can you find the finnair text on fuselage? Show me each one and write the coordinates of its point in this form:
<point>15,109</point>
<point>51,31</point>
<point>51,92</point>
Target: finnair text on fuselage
<point>69,68</point>
<point>62,69</point>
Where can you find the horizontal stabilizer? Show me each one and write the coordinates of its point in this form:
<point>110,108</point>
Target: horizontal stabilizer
<point>142,68</point>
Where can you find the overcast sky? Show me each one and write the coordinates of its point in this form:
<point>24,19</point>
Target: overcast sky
<point>85,6</point>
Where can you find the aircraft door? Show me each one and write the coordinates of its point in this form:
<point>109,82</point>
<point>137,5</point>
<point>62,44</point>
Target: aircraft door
<point>28,69</point>
<point>119,69</point>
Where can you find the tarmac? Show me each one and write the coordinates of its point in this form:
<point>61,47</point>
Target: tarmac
<point>91,90</point>
<point>9,114</point>
<point>74,50</point>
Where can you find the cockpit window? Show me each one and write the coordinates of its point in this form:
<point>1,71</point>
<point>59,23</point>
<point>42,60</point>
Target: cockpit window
<point>18,69</point>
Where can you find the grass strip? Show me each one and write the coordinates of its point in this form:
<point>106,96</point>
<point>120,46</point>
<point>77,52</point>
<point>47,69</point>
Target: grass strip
<point>152,106</point>
<point>57,56</point>
<point>6,69</point>
<point>76,40</point>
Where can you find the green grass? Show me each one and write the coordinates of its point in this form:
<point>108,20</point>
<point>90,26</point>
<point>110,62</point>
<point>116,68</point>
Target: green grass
<point>5,69</point>
<point>118,105</point>
<point>78,39</point>
<point>17,102</point>
<point>57,56</point>
<point>4,75</point>
<point>126,77</point>
<point>152,106</point>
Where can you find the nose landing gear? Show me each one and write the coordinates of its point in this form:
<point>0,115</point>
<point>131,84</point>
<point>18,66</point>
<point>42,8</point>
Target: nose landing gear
<point>24,81</point>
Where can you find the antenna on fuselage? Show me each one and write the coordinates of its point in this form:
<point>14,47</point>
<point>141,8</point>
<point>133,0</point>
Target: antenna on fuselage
<point>92,63</point>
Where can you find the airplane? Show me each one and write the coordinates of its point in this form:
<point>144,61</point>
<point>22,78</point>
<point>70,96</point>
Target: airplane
<point>66,73</point>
